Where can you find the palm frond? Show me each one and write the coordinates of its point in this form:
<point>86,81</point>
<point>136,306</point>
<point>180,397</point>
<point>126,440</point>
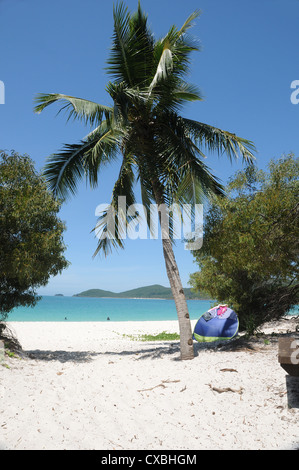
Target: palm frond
<point>63,170</point>
<point>119,57</point>
<point>185,176</point>
<point>189,22</point>
<point>220,141</point>
<point>105,232</point>
<point>126,100</point>
<point>164,66</point>
<point>172,95</point>
<point>197,184</point>
<point>84,110</point>
<point>111,227</point>
<point>182,45</point>
<point>187,92</point>
<point>104,150</point>
<point>171,61</point>
<point>132,43</point>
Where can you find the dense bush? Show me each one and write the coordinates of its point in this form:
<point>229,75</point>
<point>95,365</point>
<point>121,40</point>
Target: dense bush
<point>249,257</point>
<point>31,245</point>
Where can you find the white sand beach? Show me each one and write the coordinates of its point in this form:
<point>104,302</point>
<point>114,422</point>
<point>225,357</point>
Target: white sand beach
<point>86,386</point>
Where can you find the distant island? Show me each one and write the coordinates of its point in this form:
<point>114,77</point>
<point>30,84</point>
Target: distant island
<point>148,292</point>
<point>59,295</point>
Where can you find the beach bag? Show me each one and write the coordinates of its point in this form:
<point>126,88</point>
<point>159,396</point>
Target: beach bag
<point>218,323</point>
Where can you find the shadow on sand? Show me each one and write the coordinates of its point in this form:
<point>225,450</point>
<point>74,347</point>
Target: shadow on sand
<point>292,386</point>
<point>88,356</point>
<point>156,350</point>
<point>152,350</point>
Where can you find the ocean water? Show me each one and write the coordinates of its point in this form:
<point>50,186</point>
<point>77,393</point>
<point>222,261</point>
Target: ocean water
<point>98,309</point>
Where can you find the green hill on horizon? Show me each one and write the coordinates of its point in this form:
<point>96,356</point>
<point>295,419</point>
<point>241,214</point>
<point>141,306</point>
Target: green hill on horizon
<point>154,291</point>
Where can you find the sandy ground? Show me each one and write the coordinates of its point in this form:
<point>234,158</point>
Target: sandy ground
<point>89,386</point>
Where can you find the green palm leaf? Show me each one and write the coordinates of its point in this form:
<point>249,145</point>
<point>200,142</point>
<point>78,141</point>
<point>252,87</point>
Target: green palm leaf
<point>64,169</point>
<point>215,139</point>
<point>77,108</point>
<point>164,66</point>
<point>111,235</point>
<point>132,43</point>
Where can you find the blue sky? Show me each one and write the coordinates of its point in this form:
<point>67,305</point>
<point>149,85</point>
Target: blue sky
<point>248,60</point>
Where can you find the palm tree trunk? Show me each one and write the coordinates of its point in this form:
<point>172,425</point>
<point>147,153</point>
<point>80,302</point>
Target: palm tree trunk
<point>186,340</point>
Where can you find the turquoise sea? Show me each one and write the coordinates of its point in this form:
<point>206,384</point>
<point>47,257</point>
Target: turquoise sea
<point>52,308</point>
<point>98,309</point>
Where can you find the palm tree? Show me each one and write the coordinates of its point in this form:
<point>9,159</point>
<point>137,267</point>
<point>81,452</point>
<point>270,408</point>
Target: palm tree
<point>160,150</point>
